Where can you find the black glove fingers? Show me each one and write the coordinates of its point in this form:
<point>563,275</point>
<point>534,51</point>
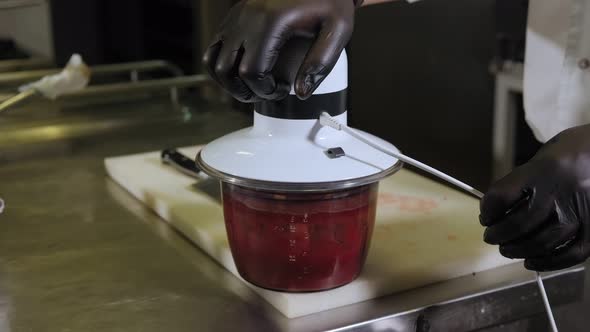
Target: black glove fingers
<point>544,241</point>
<point>571,254</point>
<point>256,67</point>
<point>521,222</point>
<point>263,27</point>
<point>503,196</point>
<point>226,72</point>
<point>322,57</point>
<point>559,176</point>
<point>210,58</point>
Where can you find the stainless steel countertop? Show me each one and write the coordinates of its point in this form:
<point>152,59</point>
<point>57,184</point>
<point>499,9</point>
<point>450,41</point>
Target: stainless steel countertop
<point>77,253</point>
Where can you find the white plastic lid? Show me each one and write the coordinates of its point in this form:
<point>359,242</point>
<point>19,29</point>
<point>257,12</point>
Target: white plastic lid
<point>294,155</point>
<point>288,150</point>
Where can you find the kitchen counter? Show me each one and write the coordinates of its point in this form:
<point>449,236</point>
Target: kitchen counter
<point>78,253</point>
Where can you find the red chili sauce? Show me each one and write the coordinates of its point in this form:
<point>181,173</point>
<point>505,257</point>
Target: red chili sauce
<point>299,242</point>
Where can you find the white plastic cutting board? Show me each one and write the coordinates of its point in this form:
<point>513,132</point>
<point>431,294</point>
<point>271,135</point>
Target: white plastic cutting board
<point>425,232</point>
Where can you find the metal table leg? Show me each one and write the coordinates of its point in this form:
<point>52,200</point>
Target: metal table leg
<point>509,87</point>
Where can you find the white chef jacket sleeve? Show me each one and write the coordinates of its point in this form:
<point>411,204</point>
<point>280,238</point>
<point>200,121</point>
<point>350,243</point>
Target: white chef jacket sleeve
<point>556,79</point>
<point>544,59</point>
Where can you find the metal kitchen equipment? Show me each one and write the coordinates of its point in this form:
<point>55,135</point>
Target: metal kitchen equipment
<point>12,4</point>
<point>43,127</point>
<point>131,69</point>
<point>135,85</point>
<point>74,77</point>
<point>24,64</point>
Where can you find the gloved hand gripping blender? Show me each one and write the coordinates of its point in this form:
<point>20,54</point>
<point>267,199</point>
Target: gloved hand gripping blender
<point>243,54</point>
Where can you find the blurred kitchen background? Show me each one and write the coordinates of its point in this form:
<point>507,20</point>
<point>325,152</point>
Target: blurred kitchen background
<point>440,79</point>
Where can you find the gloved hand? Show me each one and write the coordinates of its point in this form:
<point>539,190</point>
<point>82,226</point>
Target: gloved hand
<point>550,230</point>
<point>244,52</point>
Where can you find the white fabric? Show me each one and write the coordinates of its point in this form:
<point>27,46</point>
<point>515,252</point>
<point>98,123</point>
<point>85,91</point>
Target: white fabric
<point>556,88</point>
<point>74,77</point>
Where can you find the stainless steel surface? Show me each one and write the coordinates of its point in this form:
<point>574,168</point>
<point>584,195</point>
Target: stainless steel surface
<point>141,86</point>
<point>24,64</point>
<point>118,91</point>
<point>78,253</point>
<point>508,93</point>
<point>483,310</point>
<point>12,4</point>
<point>16,100</point>
<point>133,68</point>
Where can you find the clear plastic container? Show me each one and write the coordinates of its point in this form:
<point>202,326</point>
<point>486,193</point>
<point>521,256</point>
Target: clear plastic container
<point>299,242</point>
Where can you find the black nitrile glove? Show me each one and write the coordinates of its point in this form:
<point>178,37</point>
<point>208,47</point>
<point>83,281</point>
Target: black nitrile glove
<point>550,230</point>
<point>243,55</point>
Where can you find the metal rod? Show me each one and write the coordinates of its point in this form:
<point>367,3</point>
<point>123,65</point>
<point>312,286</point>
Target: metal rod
<point>174,96</point>
<point>23,64</point>
<point>15,78</point>
<point>137,66</point>
<point>171,84</point>
<point>141,86</point>
<point>134,76</point>
<point>13,4</point>
<point>17,100</point>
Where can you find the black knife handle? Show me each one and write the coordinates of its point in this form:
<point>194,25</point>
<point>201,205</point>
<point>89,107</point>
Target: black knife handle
<point>181,162</point>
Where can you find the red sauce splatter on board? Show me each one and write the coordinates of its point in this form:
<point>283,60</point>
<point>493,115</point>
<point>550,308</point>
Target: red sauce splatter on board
<point>452,237</point>
<point>408,203</point>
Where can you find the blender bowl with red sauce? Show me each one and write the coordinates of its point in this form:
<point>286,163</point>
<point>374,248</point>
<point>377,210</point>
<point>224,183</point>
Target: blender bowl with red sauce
<point>299,242</point>
<point>299,199</point>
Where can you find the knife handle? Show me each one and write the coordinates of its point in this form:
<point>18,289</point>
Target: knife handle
<point>182,163</point>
